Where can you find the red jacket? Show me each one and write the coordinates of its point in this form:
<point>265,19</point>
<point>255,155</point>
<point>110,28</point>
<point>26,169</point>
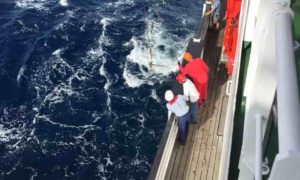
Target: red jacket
<point>197,69</point>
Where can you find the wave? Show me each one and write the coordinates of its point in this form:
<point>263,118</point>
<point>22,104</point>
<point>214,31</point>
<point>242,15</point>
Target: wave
<point>63,2</point>
<point>104,41</point>
<point>156,45</point>
<point>154,96</point>
<point>32,4</point>
<point>37,4</point>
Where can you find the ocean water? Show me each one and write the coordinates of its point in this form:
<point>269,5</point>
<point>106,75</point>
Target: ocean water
<point>78,99</point>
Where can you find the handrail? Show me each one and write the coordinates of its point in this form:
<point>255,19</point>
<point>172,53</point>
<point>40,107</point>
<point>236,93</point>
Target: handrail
<point>287,161</point>
<point>287,86</point>
<point>161,156</point>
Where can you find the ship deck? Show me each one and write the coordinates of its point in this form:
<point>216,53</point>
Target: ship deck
<point>200,157</point>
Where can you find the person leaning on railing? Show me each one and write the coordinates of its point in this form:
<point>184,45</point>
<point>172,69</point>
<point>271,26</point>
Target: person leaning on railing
<point>198,70</point>
<point>215,10</point>
<point>177,104</point>
<point>192,93</point>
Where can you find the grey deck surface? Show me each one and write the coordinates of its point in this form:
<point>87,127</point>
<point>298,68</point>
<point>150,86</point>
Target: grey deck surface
<point>199,158</point>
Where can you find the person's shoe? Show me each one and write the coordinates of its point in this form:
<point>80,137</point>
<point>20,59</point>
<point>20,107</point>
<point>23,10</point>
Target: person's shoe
<point>182,143</point>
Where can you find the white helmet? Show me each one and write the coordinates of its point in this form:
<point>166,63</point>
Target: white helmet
<point>169,95</point>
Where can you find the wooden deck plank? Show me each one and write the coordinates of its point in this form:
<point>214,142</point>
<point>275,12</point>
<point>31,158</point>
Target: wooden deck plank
<point>218,157</point>
<point>198,139</point>
<point>190,172</point>
<point>212,56</point>
<point>187,151</point>
<point>222,116</point>
<point>213,154</point>
<point>212,132</point>
<point>205,145</point>
<point>201,129</point>
<point>180,161</point>
<point>192,146</point>
<point>189,169</point>
<point>201,151</point>
<point>177,161</point>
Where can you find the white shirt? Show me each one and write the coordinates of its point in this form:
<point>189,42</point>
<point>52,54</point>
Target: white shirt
<point>190,91</point>
<point>179,107</point>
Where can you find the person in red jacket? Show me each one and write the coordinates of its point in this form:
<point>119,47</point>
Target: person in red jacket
<point>198,70</point>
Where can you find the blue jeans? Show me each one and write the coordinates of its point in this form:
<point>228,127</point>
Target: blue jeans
<point>194,108</point>
<point>183,125</point>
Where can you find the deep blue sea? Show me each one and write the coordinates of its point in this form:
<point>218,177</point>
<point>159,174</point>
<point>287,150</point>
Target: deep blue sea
<point>77,97</point>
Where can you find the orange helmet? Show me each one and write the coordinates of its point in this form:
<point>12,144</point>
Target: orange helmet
<point>187,56</point>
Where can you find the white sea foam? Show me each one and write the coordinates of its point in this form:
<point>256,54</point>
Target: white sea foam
<point>103,40</point>
<point>119,3</point>
<point>63,2</point>
<point>32,4</point>
<point>44,118</point>
<point>7,135</point>
<point>142,120</point>
<point>154,95</point>
<point>35,173</point>
<point>165,50</point>
<point>79,75</point>
<point>58,94</point>
<point>108,161</point>
<point>135,162</point>
<point>98,53</point>
<point>130,79</point>
<point>3,133</point>
<point>59,60</point>
<point>20,74</point>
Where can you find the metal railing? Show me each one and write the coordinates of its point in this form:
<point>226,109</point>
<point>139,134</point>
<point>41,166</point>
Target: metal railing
<point>287,161</point>
<point>160,165</point>
<point>287,86</point>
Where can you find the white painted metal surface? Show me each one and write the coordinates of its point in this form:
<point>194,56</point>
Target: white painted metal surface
<point>251,19</point>
<point>287,89</point>
<point>258,157</point>
<point>286,166</point>
<point>259,30</point>
<point>287,162</point>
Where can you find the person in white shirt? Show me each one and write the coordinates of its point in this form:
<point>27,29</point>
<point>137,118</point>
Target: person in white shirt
<point>179,106</point>
<point>192,93</point>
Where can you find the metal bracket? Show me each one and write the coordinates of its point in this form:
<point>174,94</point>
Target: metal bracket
<point>265,170</point>
<point>228,87</point>
<point>296,45</point>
